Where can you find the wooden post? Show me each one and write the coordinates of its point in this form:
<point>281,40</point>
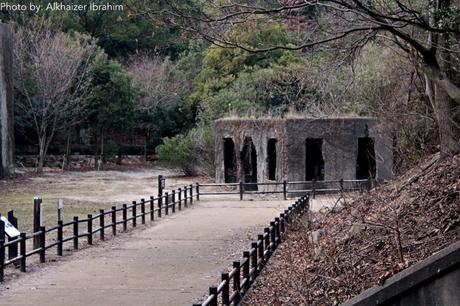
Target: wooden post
<point>161,185</point>
<point>277,230</point>
<point>125,217</point>
<point>90,229</point>
<point>143,211</point>
<point>191,194</point>
<point>13,248</point>
<point>102,224</point>
<point>254,259</point>
<point>179,194</point>
<point>197,191</point>
<point>272,236</point>
<point>260,247</point>
<point>166,203</point>
<point>152,209</point>
<point>185,196</point>
<point>213,293</point>
<point>2,259</point>
<point>42,243</point>
<point>225,289</point>
<point>134,214</point>
<point>60,237</point>
<point>241,191</point>
<point>369,184</point>
<point>267,241</point>
<point>22,251</point>
<point>341,185</point>
<point>174,201</point>
<point>2,250</point>
<point>282,228</point>
<point>75,232</point>
<point>285,189</point>
<point>246,259</point>
<point>37,220</point>
<point>160,201</point>
<point>114,220</point>
<point>237,282</point>
<point>314,188</point>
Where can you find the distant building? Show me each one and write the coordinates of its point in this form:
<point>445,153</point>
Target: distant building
<point>264,150</point>
<point>6,102</point>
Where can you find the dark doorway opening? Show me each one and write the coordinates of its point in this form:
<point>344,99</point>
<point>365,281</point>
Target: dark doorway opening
<point>365,165</point>
<point>271,154</point>
<point>229,161</point>
<point>314,163</point>
<point>249,163</point>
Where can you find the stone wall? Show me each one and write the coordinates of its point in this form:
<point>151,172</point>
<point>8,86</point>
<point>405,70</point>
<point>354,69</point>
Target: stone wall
<point>6,102</point>
<point>339,146</point>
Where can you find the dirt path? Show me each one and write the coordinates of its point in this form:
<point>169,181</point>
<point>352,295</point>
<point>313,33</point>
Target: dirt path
<point>171,262</point>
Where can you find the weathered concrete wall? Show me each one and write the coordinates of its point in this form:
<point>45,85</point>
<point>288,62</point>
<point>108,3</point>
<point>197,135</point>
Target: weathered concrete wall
<point>259,131</point>
<point>6,102</point>
<point>340,145</point>
<point>434,281</point>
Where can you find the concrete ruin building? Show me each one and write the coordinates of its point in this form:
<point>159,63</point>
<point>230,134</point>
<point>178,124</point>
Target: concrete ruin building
<point>6,102</point>
<point>305,149</point>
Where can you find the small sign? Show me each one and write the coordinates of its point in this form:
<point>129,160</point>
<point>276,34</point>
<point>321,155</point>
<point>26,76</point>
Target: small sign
<point>60,204</point>
<point>10,230</point>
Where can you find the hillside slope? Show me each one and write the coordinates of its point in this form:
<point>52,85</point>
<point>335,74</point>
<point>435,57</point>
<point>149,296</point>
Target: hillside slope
<point>365,241</point>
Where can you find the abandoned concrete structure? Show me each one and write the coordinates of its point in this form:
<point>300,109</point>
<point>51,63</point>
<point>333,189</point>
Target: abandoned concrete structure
<point>306,149</point>
<point>6,102</point>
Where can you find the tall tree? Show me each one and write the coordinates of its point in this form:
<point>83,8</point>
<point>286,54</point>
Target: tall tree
<point>50,76</point>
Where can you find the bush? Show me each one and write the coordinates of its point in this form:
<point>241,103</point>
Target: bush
<point>193,152</point>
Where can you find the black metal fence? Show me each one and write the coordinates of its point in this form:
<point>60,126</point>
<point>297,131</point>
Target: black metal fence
<point>236,283</point>
<point>16,251</point>
<point>287,187</point>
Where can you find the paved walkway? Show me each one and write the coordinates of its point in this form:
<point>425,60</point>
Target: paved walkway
<point>171,262</point>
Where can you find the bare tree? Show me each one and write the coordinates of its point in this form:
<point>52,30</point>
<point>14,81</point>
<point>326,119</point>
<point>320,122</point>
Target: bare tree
<point>50,75</point>
<point>426,32</point>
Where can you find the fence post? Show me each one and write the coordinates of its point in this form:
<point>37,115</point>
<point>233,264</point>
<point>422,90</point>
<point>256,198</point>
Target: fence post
<point>226,289</point>
<point>179,194</point>
<point>185,196</point>
<point>160,203</point>
<point>213,292</point>
<point>2,259</point>
<point>90,229</point>
<point>237,282</point>
<point>152,209</point>
<point>101,224</point>
<point>134,214</point>
<point>277,230</point>
<point>2,250</point>
<point>369,184</point>
<point>285,189</point>
<point>166,203</point>
<point>272,235</point>
<point>173,201</point>
<point>143,211</point>
<point>22,251</point>
<point>241,191</point>
<point>314,188</point>
<point>197,191</point>
<point>341,185</point>
<point>161,185</point>
<point>114,220</point>
<point>246,259</point>
<point>125,217</point>
<point>75,232</point>
<point>60,237</point>
<point>254,259</point>
<point>13,248</point>
<point>42,243</point>
<point>267,241</point>
<point>191,194</point>
<point>260,242</point>
<point>282,228</point>
<point>37,220</point>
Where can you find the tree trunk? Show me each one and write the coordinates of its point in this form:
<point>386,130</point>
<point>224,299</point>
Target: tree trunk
<point>67,151</point>
<point>41,155</point>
